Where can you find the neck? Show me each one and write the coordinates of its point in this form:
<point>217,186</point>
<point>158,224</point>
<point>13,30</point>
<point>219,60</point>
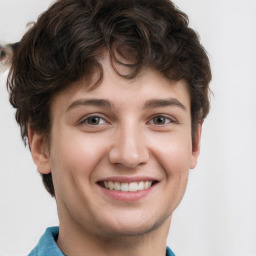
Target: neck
<point>74,240</point>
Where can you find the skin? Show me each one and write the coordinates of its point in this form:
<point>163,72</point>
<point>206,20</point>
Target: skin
<point>144,133</point>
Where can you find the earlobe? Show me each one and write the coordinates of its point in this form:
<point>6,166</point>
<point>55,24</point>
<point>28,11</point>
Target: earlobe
<point>39,151</point>
<point>196,145</point>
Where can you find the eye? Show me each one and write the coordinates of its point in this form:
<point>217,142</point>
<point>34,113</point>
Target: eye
<point>94,120</point>
<point>161,120</point>
<point>2,54</point>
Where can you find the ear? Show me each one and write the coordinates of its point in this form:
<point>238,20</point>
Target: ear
<point>39,151</point>
<point>196,145</point>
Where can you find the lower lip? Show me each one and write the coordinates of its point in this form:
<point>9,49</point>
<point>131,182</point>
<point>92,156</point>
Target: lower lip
<point>127,196</point>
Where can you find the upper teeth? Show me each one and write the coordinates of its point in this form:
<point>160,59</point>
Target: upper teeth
<point>127,187</point>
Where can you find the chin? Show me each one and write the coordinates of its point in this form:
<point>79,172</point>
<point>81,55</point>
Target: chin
<point>134,226</point>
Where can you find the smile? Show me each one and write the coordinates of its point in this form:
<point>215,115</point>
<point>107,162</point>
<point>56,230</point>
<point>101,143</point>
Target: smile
<point>127,187</point>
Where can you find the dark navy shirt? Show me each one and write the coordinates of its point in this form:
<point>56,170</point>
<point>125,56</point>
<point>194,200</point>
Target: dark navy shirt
<point>47,245</point>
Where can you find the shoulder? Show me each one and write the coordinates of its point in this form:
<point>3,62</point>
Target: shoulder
<point>47,244</point>
<point>169,252</point>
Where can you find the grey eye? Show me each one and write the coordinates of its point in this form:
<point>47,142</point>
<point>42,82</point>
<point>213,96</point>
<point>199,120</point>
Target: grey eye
<point>160,120</point>
<point>94,120</point>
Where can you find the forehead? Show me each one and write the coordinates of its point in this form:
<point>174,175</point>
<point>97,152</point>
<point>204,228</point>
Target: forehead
<point>148,84</point>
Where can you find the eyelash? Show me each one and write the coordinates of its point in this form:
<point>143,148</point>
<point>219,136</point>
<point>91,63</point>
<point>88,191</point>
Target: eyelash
<point>85,120</point>
<point>168,119</point>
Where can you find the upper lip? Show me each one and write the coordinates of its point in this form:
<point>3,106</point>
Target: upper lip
<point>128,179</point>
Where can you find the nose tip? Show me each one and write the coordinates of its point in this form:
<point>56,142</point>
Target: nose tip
<point>3,54</point>
<point>129,152</point>
<point>130,160</point>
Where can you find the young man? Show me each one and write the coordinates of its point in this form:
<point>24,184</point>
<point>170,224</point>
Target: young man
<point>111,96</point>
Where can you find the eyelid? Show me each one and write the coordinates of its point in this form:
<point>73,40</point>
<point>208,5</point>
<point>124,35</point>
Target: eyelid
<point>85,119</point>
<point>172,119</point>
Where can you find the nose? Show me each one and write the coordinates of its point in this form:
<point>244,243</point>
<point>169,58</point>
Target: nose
<point>129,147</point>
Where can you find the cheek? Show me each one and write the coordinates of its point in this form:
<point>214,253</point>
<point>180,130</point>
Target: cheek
<point>174,154</point>
<point>77,154</point>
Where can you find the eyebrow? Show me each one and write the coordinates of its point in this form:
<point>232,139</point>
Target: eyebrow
<point>156,103</point>
<point>152,103</point>
<point>92,102</point>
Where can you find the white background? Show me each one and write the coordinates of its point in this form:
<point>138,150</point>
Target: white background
<point>218,213</point>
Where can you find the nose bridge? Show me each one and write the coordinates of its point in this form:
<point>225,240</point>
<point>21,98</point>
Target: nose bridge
<point>129,148</point>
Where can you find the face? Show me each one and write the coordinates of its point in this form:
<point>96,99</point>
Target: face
<point>120,153</point>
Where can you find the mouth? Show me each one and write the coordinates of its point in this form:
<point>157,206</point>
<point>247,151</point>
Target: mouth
<point>127,186</point>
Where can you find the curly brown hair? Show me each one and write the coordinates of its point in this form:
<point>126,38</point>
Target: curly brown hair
<point>65,43</point>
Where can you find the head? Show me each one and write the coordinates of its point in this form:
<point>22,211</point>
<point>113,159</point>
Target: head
<point>66,47</point>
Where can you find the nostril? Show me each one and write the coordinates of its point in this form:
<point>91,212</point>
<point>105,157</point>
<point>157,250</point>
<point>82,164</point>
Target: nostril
<point>3,54</point>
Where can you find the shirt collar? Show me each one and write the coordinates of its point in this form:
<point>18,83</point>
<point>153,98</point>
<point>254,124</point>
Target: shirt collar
<point>47,244</point>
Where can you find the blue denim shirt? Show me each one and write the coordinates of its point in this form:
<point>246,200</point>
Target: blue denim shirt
<point>47,245</point>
